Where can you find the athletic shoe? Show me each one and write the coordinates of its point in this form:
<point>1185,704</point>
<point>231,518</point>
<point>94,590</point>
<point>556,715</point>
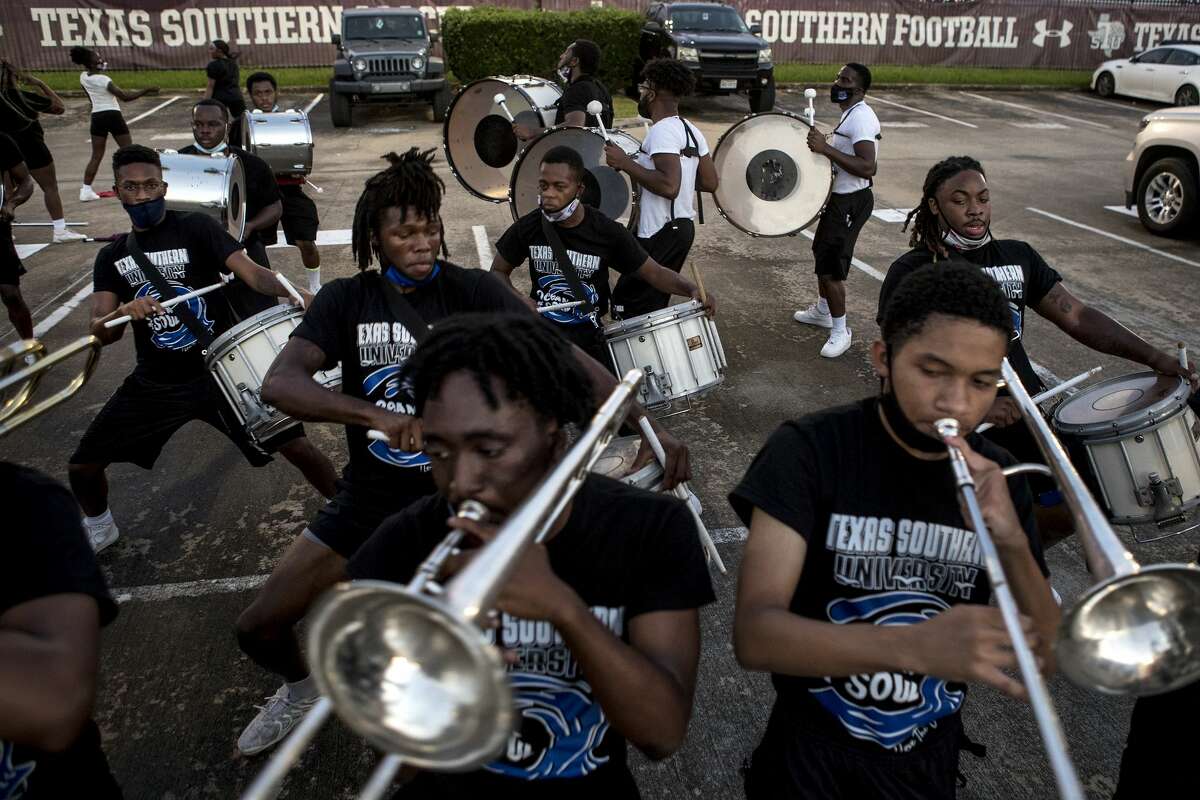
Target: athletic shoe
<point>101,536</point>
<point>813,316</point>
<point>87,194</point>
<point>67,235</point>
<point>106,193</point>
<point>275,721</point>
<point>838,343</point>
<point>314,279</point>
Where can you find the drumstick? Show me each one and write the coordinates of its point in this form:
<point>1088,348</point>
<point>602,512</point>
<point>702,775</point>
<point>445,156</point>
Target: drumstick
<point>682,493</point>
<point>314,186</point>
<point>1182,350</point>
<point>183,298</point>
<point>810,94</point>
<point>291,290</point>
<point>699,282</point>
<point>499,100</point>
<point>559,306</point>
<point>1052,393</point>
<point>596,109</point>
<point>377,436</point>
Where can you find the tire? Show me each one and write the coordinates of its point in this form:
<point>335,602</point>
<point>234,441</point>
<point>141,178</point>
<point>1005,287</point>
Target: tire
<point>1187,96</point>
<point>441,102</point>
<point>340,111</point>
<point>1167,200</point>
<point>763,99</point>
<point>1106,84</point>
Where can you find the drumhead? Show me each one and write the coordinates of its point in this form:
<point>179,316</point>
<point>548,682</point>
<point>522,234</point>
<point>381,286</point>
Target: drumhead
<point>262,319</point>
<point>646,321</point>
<point>771,184</point>
<point>1122,405</point>
<point>617,459</point>
<point>604,187</point>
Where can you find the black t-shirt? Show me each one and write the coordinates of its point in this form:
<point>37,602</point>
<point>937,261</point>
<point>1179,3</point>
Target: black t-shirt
<point>226,83</point>
<point>576,98</point>
<point>351,322</point>
<point>46,553</point>
<point>594,245</point>
<point>1022,274</point>
<point>886,545</point>
<point>190,251</point>
<point>625,552</point>
<point>261,189</point>
<point>19,110</point>
<point>10,156</point>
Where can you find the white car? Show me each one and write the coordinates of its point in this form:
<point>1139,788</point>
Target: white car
<point>1169,73</point>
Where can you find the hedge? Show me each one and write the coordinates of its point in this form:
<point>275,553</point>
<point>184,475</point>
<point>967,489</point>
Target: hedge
<point>487,41</point>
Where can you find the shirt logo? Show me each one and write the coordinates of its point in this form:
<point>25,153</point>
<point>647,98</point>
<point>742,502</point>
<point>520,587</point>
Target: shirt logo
<point>168,331</point>
<point>383,387</point>
<point>13,777</point>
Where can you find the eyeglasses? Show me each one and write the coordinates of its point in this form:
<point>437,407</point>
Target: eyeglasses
<point>129,187</point>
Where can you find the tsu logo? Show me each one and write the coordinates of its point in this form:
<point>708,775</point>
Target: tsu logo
<point>1044,33</point>
<point>1108,36</point>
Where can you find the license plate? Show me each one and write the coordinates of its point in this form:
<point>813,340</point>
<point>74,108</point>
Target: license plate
<point>728,83</point>
<point>400,86</point>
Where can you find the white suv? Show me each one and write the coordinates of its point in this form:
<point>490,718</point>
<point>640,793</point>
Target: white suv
<point>1162,171</point>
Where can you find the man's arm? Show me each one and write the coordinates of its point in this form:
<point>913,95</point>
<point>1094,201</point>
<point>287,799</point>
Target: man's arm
<point>129,97</point>
<point>260,279</point>
<point>672,282</point>
<point>106,306</point>
<point>208,90</point>
<point>57,106</point>
<point>264,220</point>
<point>663,180</point>
<point>504,270</point>
<point>576,118</point>
<point>861,164</point>
<point>707,179</point>
<point>49,654</point>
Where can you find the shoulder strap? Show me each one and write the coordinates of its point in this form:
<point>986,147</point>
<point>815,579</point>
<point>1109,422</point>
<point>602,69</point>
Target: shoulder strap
<point>189,320</point>
<point>402,310</point>
<point>565,265</point>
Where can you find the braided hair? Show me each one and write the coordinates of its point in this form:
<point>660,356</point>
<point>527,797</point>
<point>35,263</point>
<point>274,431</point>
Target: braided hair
<point>409,181</point>
<point>926,231</point>
<point>516,353</point>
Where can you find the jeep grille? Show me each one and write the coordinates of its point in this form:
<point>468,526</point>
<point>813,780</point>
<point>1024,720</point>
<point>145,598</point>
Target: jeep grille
<point>389,65</point>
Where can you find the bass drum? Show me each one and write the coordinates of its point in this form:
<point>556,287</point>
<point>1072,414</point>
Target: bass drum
<point>603,187</point>
<point>479,141</point>
<point>213,185</point>
<point>283,139</point>
<point>771,183</point>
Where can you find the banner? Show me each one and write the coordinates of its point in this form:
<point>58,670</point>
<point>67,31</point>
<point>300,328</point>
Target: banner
<point>156,34</point>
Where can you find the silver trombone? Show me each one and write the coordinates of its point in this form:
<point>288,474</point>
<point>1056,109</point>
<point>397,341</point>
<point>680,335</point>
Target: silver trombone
<point>407,667</point>
<point>1135,632</point>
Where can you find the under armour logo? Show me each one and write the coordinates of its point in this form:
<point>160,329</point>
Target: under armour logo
<point>1039,39</point>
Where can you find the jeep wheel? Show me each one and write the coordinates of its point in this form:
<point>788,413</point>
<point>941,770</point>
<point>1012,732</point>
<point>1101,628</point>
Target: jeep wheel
<point>763,99</point>
<point>441,102</point>
<point>1106,86</point>
<point>1166,197</point>
<point>340,110</point>
<point>1187,96</point>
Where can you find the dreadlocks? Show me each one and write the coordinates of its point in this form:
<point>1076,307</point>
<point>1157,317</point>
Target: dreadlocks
<point>517,353</point>
<point>409,181</point>
<point>926,231</point>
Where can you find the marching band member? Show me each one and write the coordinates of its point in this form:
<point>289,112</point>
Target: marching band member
<point>18,187</point>
<point>861,589</point>
<point>602,618</point>
<point>224,84</point>
<point>577,67</point>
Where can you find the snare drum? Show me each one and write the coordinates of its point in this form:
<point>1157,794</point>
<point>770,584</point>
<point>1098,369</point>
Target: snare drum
<point>678,349</point>
<point>240,357</point>
<point>283,139</point>
<point>213,185</point>
<point>617,459</point>
<point>1137,433</point>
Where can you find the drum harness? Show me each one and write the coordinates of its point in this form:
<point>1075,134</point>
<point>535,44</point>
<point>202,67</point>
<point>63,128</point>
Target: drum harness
<point>692,150</point>
<point>565,265</point>
<point>202,334</point>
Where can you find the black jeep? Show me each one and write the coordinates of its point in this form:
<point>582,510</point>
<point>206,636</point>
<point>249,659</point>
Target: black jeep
<point>384,56</point>
<point>711,39</point>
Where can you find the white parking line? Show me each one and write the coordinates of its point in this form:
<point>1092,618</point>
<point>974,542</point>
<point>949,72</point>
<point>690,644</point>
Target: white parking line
<point>1041,126</point>
<point>1109,103</point>
<point>1129,212</point>
<point>337,236</point>
<point>26,250</point>
<point>482,247</point>
<point>313,103</point>
<point>163,137</point>
<point>1037,111</point>
<point>890,214</point>
<point>163,104</point>
<point>904,124</point>
<point>877,99</point>
<point>171,591</point>
<point>1113,236</point>
<point>854,262</point>
<point>60,313</point>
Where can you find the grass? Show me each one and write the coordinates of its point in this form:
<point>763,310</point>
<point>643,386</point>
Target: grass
<point>818,74</point>
<point>174,79</point>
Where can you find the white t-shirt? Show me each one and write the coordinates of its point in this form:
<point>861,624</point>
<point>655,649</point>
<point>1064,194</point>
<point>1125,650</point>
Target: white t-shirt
<point>668,136</point>
<point>97,88</point>
<point>858,124</point>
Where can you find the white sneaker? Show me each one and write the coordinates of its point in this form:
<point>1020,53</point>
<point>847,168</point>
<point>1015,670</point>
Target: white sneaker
<point>67,235</point>
<point>275,720</point>
<point>838,343</point>
<point>314,279</point>
<point>813,316</point>
<point>101,536</point>
<point>87,194</point>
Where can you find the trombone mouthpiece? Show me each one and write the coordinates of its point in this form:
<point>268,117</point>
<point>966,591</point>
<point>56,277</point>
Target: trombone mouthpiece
<point>594,108</point>
<point>472,510</point>
<point>946,427</point>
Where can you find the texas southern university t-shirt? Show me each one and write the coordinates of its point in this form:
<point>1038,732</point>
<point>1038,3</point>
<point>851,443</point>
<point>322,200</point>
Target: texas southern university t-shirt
<point>190,251</point>
<point>625,552</point>
<point>886,545</point>
<point>351,322</point>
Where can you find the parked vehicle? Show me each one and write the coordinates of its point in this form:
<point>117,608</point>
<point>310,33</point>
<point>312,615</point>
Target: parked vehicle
<point>1162,171</point>
<point>1169,73</point>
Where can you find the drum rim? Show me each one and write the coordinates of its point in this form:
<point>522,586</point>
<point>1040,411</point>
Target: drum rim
<point>450,115</point>
<point>716,195</point>
<point>635,190</point>
<point>1130,423</point>
<point>660,318</point>
<point>220,346</point>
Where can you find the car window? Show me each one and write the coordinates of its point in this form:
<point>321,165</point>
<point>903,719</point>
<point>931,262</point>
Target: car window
<point>1182,58</point>
<point>706,19</point>
<point>1157,56</point>
<point>385,26</point>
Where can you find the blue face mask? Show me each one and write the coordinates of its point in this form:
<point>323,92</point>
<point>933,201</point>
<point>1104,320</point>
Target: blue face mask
<point>148,214</point>
<point>393,274</point>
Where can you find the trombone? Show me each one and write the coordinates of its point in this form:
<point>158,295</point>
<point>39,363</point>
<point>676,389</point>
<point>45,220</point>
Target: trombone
<point>14,407</point>
<point>406,666</point>
<point>1135,632</point>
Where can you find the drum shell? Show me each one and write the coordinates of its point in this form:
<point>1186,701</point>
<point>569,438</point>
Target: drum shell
<point>239,359</point>
<point>678,347</point>
<point>283,139</point>
<point>213,185</point>
<point>618,195</point>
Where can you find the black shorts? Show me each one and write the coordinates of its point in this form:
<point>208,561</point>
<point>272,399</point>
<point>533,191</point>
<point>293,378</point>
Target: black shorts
<point>244,301</point>
<point>837,232</point>
<point>300,221</point>
<point>11,268</point>
<point>105,123</point>
<point>588,339</point>
<point>632,296</point>
<point>32,144</point>
<point>142,416</point>
<point>352,516</point>
<point>794,764</point>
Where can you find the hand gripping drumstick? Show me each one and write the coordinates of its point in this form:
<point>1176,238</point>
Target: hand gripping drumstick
<point>1051,393</point>
<point>595,109</point>
<point>681,491</point>
<point>699,282</point>
<point>174,301</point>
<point>810,113</point>
<point>498,99</point>
<point>291,290</point>
<point>559,307</point>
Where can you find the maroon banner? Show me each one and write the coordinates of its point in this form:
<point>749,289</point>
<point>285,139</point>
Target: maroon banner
<point>157,34</point>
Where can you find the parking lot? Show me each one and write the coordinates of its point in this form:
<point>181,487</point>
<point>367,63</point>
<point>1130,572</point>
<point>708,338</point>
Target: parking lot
<point>201,531</point>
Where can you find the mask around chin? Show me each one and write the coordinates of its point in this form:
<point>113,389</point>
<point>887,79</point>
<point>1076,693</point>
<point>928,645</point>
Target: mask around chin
<point>564,73</point>
<point>960,242</point>
<point>644,108</point>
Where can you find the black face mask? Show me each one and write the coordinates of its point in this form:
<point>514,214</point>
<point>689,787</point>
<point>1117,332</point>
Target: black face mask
<point>643,107</point>
<point>839,94</point>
